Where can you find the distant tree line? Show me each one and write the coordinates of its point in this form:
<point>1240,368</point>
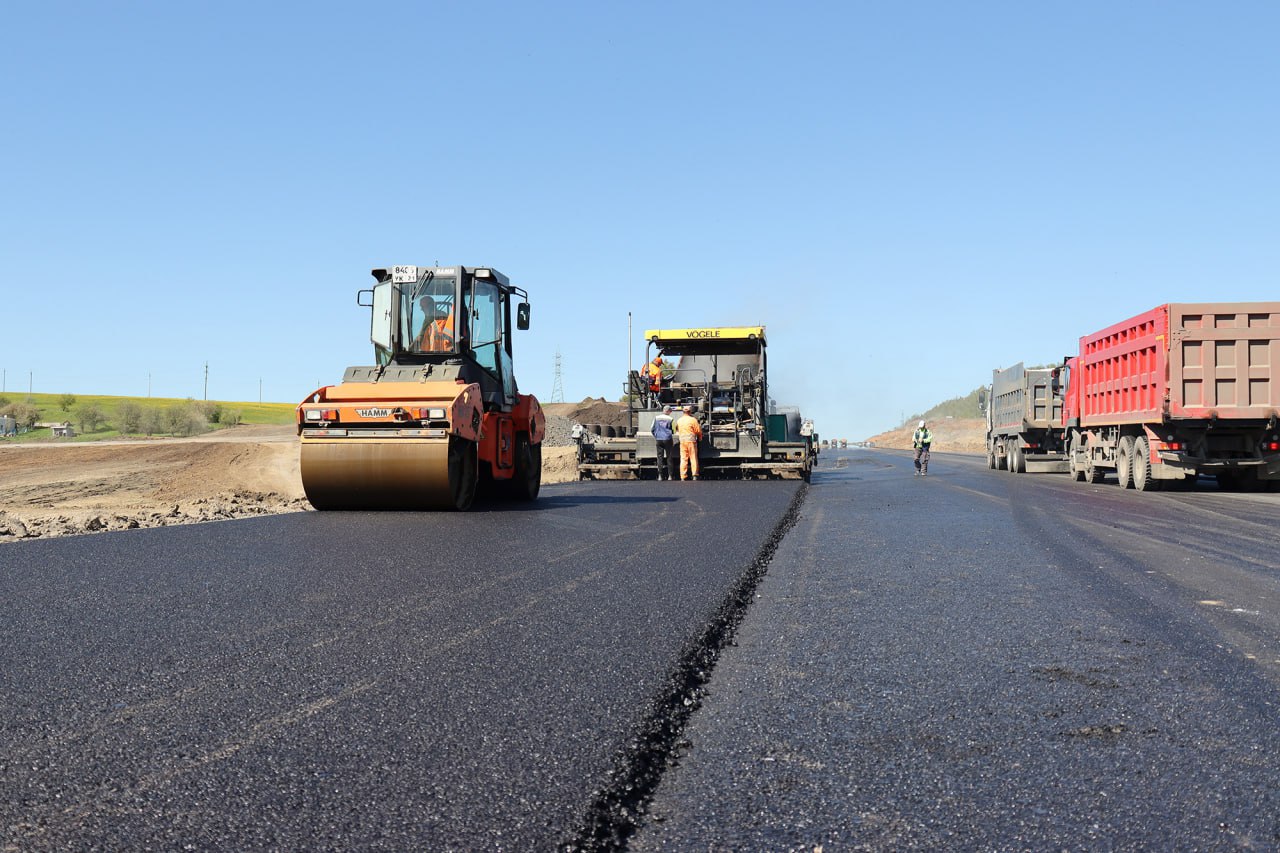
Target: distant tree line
<point>189,417</point>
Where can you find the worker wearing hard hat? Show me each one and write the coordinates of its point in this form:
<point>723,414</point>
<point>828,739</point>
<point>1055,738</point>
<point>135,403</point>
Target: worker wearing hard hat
<point>921,439</point>
<point>652,374</point>
<point>690,433</point>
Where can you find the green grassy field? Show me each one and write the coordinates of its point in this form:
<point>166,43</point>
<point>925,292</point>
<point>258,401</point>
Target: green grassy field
<point>152,415</point>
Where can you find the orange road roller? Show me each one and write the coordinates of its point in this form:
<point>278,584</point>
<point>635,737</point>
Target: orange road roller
<point>438,418</point>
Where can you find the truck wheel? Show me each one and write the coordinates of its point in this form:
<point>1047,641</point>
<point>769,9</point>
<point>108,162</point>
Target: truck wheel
<point>991,459</point>
<point>1092,473</point>
<point>1142,479</point>
<point>1074,465</point>
<point>1017,460</point>
<point>1124,462</point>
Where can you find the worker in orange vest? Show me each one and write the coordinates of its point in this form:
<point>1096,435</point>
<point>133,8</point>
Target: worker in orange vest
<point>652,373</point>
<point>437,332</point>
<point>690,433</point>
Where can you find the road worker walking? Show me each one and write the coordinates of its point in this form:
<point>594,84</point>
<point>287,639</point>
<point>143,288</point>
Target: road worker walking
<point>920,440</point>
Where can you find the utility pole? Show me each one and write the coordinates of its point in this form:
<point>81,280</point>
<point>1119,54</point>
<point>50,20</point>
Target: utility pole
<point>206,380</point>
<point>259,390</point>
<point>148,386</point>
<point>30,381</point>
<point>628,385</point>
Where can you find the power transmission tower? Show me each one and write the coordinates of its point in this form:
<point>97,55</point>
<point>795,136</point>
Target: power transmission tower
<point>557,387</point>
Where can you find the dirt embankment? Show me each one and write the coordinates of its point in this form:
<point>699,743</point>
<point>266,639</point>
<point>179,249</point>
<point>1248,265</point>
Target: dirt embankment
<point>593,410</point>
<point>951,435</point>
<point>61,489</point>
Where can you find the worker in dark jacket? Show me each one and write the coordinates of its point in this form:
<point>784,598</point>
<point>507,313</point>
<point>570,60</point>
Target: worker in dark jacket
<point>921,439</point>
<point>664,437</point>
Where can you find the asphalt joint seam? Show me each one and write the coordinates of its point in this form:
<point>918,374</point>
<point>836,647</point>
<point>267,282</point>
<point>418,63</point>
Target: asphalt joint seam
<point>618,809</point>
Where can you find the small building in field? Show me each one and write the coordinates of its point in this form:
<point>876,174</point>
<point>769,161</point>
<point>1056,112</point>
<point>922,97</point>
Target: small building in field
<point>64,430</point>
<point>8,426</point>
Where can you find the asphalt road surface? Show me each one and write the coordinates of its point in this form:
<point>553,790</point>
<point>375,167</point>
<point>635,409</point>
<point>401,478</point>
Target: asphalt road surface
<point>980,660</point>
<point>396,681</point>
<point>975,660</point>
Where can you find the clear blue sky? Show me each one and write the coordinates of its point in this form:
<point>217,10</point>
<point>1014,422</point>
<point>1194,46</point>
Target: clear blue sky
<point>906,194</point>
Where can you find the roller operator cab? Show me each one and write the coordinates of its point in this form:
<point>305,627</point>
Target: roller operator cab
<point>438,416</point>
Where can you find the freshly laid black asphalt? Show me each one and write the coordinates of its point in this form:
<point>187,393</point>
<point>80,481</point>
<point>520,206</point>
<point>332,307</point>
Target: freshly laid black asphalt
<point>970,661</point>
<point>983,661</point>
<point>361,680</point>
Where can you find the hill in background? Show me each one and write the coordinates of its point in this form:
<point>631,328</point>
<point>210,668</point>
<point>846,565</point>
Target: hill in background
<point>958,426</point>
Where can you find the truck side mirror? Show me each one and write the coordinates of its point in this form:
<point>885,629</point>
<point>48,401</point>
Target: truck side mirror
<point>522,316</point>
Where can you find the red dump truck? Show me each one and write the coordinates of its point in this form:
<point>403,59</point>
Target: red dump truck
<point>1177,392</point>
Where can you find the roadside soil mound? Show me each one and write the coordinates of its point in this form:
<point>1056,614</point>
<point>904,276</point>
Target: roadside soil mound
<point>64,489</point>
<point>61,489</point>
<point>593,410</point>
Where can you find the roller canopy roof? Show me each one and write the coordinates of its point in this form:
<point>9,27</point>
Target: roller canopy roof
<point>710,340</point>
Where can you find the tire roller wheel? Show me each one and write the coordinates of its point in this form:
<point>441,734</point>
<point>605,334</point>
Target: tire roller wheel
<point>527,480</point>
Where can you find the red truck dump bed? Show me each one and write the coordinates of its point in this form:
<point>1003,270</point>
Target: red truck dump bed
<point>1183,360</point>
<point>1181,390</point>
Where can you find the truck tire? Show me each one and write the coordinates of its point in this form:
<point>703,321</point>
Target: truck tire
<point>1017,462</point>
<point>1092,473</point>
<point>1142,479</point>
<point>1074,465</point>
<point>991,459</point>
<point>1124,462</point>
